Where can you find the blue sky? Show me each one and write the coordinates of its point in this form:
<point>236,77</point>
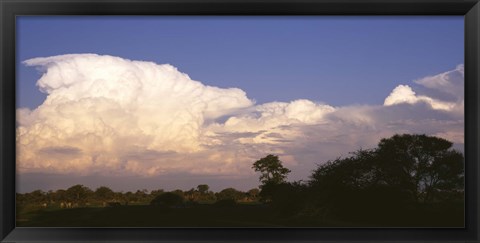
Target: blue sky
<point>337,60</point>
<point>309,89</point>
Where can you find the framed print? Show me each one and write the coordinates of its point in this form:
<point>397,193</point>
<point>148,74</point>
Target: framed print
<point>239,121</point>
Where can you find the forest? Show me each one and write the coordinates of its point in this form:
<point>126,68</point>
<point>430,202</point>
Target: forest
<point>407,180</point>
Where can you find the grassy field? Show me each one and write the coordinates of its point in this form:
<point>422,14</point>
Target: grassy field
<point>151,216</point>
<point>241,215</point>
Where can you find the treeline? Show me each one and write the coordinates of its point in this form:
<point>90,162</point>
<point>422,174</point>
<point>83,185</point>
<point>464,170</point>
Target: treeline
<point>406,177</point>
<point>82,196</point>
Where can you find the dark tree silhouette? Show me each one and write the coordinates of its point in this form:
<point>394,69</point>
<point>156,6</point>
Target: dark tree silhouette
<point>273,175</point>
<point>271,169</point>
<point>345,186</point>
<point>155,193</point>
<point>61,195</point>
<point>130,197</point>
<point>78,194</point>
<point>142,196</point>
<point>230,194</point>
<point>104,193</point>
<point>168,199</point>
<point>203,189</point>
<point>404,170</point>
<point>423,166</point>
<point>37,196</point>
<point>253,193</point>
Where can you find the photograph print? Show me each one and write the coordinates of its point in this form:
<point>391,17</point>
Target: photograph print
<point>240,121</point>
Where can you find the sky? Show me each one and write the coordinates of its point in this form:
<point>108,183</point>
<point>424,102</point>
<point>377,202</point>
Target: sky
<point>174,101</point>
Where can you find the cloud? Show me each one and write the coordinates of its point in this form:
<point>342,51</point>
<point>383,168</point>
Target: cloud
<point>450,82</point>
<point>272,118</point>
<point>65,150</point>
<point>444,91</point>
<point>106,105</point>
<point>405,94</point>
<point>111,116</point>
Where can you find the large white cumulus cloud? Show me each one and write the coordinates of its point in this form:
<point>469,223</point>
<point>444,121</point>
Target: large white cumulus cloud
<point>109,115</point>
<point>106,106</point>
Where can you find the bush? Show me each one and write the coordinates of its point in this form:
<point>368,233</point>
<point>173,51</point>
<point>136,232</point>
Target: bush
<point>230,193</point>
<point>226,203</point>
<point>168,199</point>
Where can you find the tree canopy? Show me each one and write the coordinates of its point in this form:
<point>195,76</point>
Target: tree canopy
<point>230,194</point>
<point>422,165</point>
<point>168,199</point>
<point>402,170</point>
<point>104,193</point>
<point>271,169</point>
<point>78,193</point>
<point>203,188</point>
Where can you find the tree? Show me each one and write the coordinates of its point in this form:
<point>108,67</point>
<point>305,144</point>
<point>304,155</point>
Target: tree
<point>287,198</point>
<point>403,170</point>
<point>253,193</point>
<point>142,195</point>
<point>348,187</point>
<point>61,195</point>
<point>155,193</point>
<point>422,165</point>
<point>104,193</point>
<point>130,197</point>
<point>119,197</point>
<point>416,166</point>
<point>36,197</point>
<point>192,194</point>
<point>271,169</point>
<point>179,192</point>
<point>230,194</point>
<point>168,199</point>
<point>51,195</point>
<point>78,193</point>
<point>203,189</point>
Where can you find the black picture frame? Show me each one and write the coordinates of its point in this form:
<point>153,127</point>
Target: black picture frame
<point>470,9</point>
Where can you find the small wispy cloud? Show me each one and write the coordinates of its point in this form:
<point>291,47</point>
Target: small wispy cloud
<point>62,150</point>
